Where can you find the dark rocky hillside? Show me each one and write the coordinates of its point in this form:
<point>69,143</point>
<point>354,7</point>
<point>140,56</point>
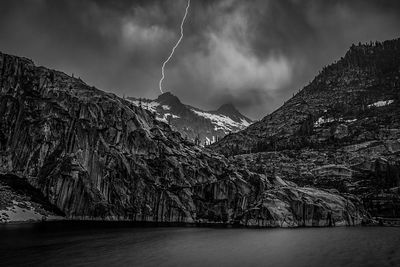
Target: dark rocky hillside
<point>97,156</point>
<point>353,100</point>
<point>199,126</point>
<point>341,131</point>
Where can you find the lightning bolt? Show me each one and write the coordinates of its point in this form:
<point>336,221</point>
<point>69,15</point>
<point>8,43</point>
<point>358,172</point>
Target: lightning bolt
<point>173,48</point>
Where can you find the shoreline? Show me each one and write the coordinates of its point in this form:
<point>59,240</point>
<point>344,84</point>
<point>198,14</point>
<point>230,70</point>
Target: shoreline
<point>149,224</point>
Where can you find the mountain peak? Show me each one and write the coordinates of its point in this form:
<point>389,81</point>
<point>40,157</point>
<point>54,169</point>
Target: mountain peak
<point>228,109</point>
<point>227,106</point>
<point>168,98</point>
<point>194,123</point>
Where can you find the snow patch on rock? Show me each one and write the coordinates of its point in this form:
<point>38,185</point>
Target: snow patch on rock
<point>381,103</point>
<point>150,106</point>
<point>24,212</point>
<point>323,120</point>
<point>165,117</point>
<point>223,122</point>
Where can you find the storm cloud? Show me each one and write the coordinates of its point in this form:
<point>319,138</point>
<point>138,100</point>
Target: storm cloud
<point>253,53</point>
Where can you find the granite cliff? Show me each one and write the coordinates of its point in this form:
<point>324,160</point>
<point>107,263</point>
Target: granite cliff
<point>341,131</point>
<point>94,155</point>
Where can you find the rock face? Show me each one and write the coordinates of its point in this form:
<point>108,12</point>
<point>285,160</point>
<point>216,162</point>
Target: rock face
<point>97,156</point>
<point>194,124</point>
<point>341,131</point>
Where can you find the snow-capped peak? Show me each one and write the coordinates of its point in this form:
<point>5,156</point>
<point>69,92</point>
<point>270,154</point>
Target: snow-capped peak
<point>194,123</point>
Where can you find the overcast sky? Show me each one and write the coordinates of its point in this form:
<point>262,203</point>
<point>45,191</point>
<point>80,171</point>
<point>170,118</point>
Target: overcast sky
<point>253,53</point>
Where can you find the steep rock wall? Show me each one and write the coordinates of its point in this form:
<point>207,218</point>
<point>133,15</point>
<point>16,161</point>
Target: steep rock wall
<point>96,156</point>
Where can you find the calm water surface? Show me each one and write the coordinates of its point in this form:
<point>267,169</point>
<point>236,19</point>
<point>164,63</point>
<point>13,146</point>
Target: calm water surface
<point>77,244</point>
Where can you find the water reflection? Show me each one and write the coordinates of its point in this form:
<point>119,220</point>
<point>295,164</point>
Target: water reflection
<point>77,244</point>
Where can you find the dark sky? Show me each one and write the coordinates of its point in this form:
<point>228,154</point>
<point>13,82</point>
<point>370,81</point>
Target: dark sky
<point>253,53</point>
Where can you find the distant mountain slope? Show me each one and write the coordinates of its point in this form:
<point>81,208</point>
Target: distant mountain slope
<point>193,123</point>
<point>353,100</point>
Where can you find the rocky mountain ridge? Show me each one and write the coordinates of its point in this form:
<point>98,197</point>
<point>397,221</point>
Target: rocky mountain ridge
<point>341,131</point>
<point>94,155</point>
<point>202,127</point>
<point>361,88</point>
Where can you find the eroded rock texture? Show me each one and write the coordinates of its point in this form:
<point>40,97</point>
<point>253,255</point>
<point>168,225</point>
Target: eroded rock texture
<point>341,131</point>
<point>96,156</point>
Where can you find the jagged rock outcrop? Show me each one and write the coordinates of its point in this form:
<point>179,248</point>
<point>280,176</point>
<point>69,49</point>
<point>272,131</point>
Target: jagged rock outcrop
<point>341,131</point>
<point>97,156</point>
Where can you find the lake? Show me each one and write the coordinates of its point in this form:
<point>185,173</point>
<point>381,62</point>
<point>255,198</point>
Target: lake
<point>111,244</point>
